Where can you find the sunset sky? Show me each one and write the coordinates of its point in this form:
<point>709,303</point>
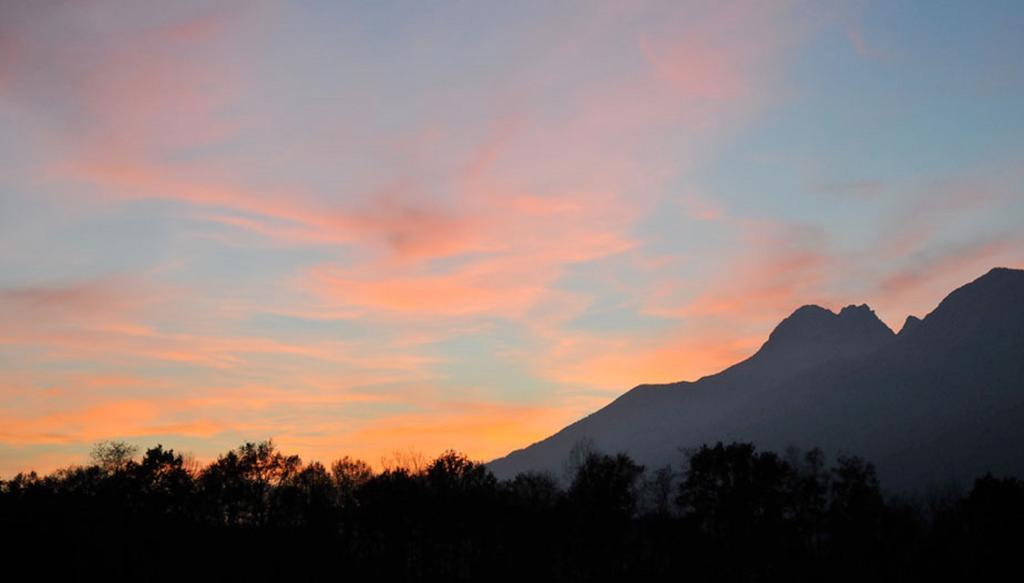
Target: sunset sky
<point>362,227</point>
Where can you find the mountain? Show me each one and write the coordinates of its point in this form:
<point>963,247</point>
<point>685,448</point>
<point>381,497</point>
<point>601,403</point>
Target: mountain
<point>940,402</point>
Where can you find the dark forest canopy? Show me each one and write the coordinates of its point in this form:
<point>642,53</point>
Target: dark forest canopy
<point>728,512</point>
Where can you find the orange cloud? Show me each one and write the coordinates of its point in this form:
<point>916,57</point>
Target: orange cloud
<point>481,430</point>
<point>309,424</point>
<point>127,417</point>
<point>615,365</point>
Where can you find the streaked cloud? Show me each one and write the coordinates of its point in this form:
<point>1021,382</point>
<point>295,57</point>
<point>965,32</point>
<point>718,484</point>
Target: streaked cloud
<point>357,230</point>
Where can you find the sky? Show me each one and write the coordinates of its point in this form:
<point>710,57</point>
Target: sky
<point>361,228</point>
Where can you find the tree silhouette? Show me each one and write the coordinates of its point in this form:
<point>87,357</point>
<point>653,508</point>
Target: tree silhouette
<point>534,491</point>
<point>162,483</point>
<point>306,497</point>
<point>349,475</point>
<point>578,454</point>
<point>256,513</point>
<point>657,492</point>
<point>602,497</point>
<point>240,482</point>
<point>994,516</point>
<point>113,456</point>
<point>734,491</point>
<point>606,485</point>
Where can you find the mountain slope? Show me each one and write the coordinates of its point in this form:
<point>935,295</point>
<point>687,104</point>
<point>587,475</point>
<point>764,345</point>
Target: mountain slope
<point>943,400</point>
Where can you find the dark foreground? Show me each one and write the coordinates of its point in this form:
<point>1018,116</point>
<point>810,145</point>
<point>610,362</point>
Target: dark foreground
<point>731,514</point>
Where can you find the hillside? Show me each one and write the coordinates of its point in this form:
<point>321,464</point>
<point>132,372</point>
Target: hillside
<point>941,401</point>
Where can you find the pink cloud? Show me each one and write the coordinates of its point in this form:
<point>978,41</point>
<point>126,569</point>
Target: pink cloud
<point>127,87</point>
<point>726,54</point>
<point>938,271</point>
<point>96,295</point>
<point>774,269</point>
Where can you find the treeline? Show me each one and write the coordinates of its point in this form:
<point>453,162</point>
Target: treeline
<point>729,513</point>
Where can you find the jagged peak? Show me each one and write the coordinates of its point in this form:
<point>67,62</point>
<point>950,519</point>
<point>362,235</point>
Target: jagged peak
<point>910,324</point>
<point>862,315</point>
<point>855,310</point>
<point>812,323</point>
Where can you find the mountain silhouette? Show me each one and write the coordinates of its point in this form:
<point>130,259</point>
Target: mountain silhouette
<point>940,402</point>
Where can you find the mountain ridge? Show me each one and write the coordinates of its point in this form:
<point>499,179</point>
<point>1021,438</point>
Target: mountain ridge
<point>842,381</point>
